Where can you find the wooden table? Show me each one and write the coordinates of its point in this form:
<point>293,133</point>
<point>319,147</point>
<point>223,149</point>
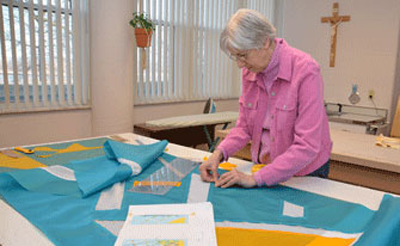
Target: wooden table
<point>355,159</point>
<point>190,136</point>
<point>188,130</point>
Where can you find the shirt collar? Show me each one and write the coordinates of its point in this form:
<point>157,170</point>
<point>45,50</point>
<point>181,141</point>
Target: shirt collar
<point>280,61</point>
<point>285,63</point>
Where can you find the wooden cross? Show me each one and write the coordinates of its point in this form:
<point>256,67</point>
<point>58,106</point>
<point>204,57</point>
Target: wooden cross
<point>335,21</point>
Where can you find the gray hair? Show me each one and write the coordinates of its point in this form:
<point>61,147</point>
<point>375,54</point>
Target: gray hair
<point>246,29</point>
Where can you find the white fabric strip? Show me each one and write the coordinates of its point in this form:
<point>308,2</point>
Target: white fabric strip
<point>292,210</point>
<point>287,228</point>
<point>198,191</point>
<point>61,172</point>
<point>111,198</point>
<point>136,168</point>
<point>112,226</point>
<point>369,198</point>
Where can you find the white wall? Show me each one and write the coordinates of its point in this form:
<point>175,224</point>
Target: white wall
<point>112,44</point>
<point>30,128</point>
<point>111,48</point>
<point>367,46</point>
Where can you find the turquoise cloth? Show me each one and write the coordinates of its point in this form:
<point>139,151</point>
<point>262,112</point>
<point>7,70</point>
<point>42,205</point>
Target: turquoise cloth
<point>71,220</point>
<point>143,155</point>
<point>65,158</point>
<point>66,216</point>
<point>39,180</point>
<point>96,174</point>
<point>384,228</point>
<point>261,205</point>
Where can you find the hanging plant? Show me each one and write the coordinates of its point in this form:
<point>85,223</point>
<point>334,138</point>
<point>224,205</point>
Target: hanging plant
<point>144,28</point>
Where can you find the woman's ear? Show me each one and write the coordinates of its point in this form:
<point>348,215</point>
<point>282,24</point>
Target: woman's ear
<point>267,43</point>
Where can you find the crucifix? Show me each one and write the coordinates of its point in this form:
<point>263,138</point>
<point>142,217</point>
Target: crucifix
<point>335,21</point>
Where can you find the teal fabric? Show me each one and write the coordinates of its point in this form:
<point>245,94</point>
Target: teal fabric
<point>69,219</point>
<point>95,174</point>
<point>143,155</point>
<point>58,209</point>
<point>261,205</point>
<point>65,220</point>
<point>39,180</point>
<point>384,228</point>
<point>65,158</point>
<point>98,173</point>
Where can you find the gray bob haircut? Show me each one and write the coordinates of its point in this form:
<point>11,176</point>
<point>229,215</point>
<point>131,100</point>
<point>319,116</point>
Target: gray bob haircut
<point>246,29</point>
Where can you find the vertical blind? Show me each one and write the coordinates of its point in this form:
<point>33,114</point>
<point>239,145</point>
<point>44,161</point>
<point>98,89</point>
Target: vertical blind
<point>44,60</point>
<point>184,62</point>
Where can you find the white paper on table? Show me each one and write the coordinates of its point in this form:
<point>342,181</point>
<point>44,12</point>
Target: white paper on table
<point>169,224</point>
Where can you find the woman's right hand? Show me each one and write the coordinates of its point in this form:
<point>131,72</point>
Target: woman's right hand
<point>208,169</point>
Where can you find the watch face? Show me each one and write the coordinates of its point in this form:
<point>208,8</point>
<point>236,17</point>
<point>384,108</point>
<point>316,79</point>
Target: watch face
<point>354,98</point>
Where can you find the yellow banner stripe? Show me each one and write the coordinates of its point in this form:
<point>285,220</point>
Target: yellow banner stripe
<point>227,236</point>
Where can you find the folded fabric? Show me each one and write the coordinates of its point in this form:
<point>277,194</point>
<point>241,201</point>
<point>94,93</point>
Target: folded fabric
<point>85,177</point>
<point>137,157</point>
<point>120,162</point>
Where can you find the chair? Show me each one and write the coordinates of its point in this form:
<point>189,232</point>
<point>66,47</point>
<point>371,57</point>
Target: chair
<point>211,108</point>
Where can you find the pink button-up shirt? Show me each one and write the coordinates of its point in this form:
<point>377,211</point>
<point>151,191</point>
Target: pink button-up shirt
<point>298,128</point>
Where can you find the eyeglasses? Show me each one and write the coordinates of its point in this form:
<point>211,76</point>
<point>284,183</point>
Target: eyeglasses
<point>239,57</point>
<point>244,56</point>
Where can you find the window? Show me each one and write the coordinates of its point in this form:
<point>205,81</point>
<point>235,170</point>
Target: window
<point>184,62</point>
<point>43,55</point>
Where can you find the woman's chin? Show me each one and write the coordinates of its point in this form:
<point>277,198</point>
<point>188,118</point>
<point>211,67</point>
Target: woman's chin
<point>254,70</point>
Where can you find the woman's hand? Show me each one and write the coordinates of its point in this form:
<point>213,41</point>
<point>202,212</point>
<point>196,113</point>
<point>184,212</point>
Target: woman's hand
<point>235,177</point>
<point>208,169</point>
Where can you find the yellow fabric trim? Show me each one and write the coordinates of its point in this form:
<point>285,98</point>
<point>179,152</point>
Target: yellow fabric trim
<point>331,241</point>
<point>227,166</point>
<point>157,183</point>
<point>72,148</point>
<point>227,236</point>
<point>257,167</point>
<point>22,162</point>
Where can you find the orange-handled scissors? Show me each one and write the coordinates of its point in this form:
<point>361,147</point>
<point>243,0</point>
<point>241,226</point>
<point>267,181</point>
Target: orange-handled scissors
<point>23,150</point>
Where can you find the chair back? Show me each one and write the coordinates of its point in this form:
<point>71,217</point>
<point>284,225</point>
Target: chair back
<point>210,107</point>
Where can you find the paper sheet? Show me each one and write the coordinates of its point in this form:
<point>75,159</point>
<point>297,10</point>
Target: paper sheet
<point>169,224</point>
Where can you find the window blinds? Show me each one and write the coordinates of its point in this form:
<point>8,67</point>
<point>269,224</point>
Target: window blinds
<point>44,62</point>
<point>184,62</point>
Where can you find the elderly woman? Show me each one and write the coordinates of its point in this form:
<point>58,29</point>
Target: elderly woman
<point>281,108</point>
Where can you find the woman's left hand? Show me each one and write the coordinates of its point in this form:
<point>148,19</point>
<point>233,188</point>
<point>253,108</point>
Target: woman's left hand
<point>235,177</point>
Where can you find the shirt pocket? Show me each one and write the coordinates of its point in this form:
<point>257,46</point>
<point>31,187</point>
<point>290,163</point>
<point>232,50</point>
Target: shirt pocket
<point>249,106</point>
<point>286,114</point>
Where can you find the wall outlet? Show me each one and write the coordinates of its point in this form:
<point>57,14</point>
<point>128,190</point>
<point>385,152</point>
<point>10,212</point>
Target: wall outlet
<point>371,94</point>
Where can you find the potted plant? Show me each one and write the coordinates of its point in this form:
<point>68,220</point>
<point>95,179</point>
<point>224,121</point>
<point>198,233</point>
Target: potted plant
<point>144,28</point>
